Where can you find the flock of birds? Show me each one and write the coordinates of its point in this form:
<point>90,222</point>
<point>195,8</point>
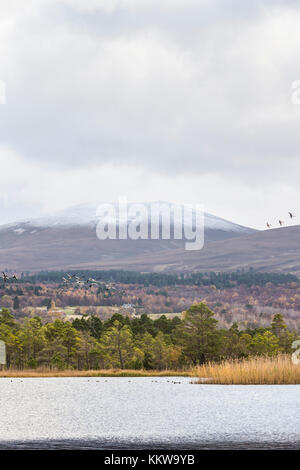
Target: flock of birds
<point>281,222</point>
<point>6,277</point>
<point>78,280</point>
<point>108,289</point>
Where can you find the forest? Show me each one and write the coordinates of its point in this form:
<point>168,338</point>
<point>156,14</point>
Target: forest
<point>137,343</point>
<point>250,306</point>
<point>219,280</point>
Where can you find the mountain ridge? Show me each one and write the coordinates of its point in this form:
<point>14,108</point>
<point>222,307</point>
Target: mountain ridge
<point>68,238</point>
<point>55,249</point>
<point>276,250</point>
<point>86,214</point>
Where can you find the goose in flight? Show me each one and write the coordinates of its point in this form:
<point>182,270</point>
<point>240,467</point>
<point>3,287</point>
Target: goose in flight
<point>5,277</point>
<point>73,276</point>
<point>281,223</point>
<point>291,215</point>
<point>268,225</point>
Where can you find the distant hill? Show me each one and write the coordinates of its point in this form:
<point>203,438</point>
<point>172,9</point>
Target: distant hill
<point>276,250</point>
<point>67,239</point>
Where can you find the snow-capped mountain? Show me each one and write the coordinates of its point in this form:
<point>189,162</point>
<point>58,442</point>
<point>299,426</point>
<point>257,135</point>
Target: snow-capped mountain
<point>88,215</point>
<point>67,238</point>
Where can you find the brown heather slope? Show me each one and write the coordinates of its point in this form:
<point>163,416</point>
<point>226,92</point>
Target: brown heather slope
<point>30,248</point>
<point>272,250</point>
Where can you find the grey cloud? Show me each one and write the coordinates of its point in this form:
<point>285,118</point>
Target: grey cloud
<point>175,90</point>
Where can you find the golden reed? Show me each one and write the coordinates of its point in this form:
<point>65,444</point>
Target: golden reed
<point>253,371</point>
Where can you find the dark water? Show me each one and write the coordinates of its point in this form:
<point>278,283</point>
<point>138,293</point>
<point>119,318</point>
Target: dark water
<point>145,413</point>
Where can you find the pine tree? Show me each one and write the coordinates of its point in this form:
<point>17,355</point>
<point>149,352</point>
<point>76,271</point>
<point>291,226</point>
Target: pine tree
<point>199,335</point>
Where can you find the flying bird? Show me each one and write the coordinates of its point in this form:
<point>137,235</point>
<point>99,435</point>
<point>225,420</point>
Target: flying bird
<point>281,223</point>
<point>268,225</point>
<point>73,276</point>
<point>5,277</point>
<point>291,215</point>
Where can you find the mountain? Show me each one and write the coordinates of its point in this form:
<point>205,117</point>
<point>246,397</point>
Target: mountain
<point>268,251</point>
<point>67,239</point>
<point>85,215</point>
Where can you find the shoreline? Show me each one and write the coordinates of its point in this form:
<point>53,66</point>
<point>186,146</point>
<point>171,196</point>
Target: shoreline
<point>93,373</point>
<point>259,370</point>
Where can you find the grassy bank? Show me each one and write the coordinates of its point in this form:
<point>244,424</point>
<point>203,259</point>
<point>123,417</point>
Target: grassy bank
<point>93,373</point>
<point>253,371</point>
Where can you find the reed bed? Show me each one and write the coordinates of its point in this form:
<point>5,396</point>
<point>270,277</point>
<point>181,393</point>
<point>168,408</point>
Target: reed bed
<point>252,371</point>
<point>92,373</point>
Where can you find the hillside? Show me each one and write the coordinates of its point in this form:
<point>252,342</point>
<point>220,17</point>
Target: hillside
<point>272,250</point>
<point>67,239</point>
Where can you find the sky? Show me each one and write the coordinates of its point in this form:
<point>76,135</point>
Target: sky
<point>192,101</point>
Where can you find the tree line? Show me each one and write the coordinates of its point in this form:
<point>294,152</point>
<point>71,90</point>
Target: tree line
<point>136,343</point>
<point>218,279</point>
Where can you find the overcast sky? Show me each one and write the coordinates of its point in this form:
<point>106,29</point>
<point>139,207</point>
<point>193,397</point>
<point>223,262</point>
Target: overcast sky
<point>178,100</point>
